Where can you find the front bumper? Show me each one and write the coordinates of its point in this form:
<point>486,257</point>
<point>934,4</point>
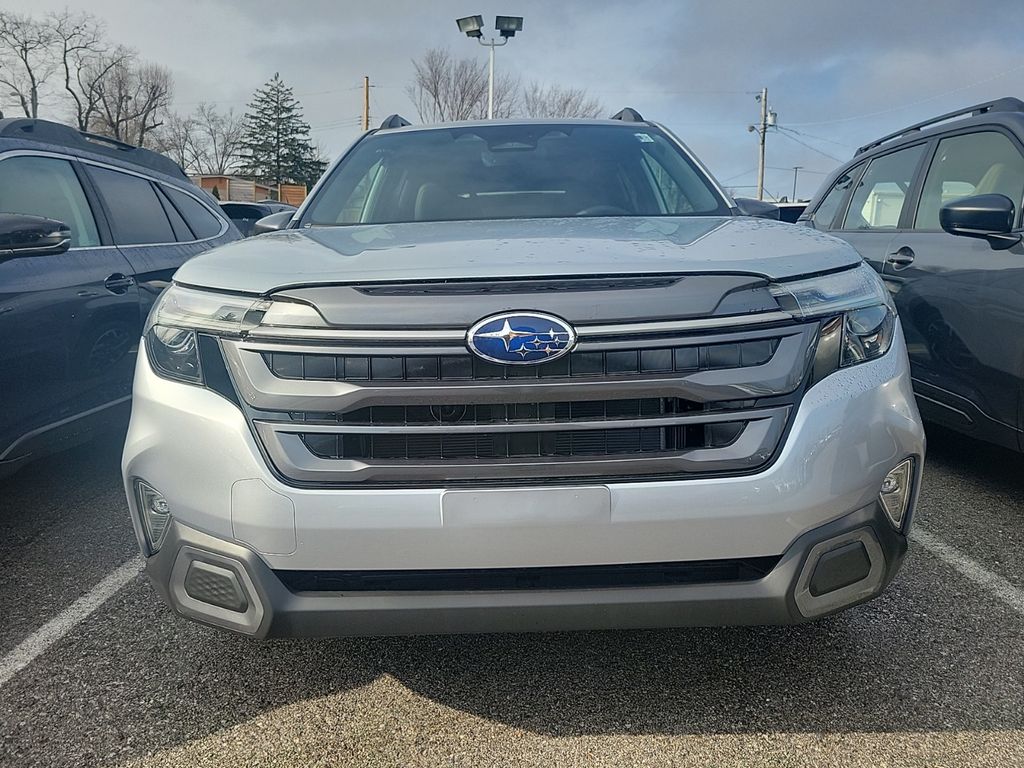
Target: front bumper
<point>786,595</point>
<point>196,449</point>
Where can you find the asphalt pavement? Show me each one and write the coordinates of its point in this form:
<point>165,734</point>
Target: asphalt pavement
<point>931,673</point>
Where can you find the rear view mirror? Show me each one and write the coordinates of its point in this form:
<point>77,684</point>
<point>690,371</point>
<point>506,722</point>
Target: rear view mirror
<point>273,222</point>
<point>759,209</point>
<point>988,217</point>
<point>23,235</point>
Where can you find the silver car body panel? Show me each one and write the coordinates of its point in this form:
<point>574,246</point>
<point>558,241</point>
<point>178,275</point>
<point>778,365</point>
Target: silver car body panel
<point>460,250</point>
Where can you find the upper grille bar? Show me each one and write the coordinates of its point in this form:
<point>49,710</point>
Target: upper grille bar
<point>442,336</point>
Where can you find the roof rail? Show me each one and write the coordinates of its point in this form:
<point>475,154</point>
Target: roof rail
<point>629,115</point>
<point>394,121</point>
<point>58,134</point>
<point>1007,104</point>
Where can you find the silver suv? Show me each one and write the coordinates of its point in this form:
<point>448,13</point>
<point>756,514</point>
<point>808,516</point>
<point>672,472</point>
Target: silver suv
<point>516,376</point>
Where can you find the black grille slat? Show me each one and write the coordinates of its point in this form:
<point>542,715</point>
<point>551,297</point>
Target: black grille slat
<point>611,364</point>
<point>447,446</point>
<point>505,413</point>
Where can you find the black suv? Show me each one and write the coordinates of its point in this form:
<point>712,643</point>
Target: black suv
<point>936,209</point>
<point>91,231</point>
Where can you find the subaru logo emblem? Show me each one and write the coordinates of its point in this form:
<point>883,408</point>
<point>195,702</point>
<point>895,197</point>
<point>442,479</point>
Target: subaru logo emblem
<point>520,338</point>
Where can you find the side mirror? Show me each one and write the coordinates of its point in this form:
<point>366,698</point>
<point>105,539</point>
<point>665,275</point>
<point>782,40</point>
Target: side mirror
<point>759,209</point>
<point>987,217</point>
<point>273,222</point>
<point>23,235</point>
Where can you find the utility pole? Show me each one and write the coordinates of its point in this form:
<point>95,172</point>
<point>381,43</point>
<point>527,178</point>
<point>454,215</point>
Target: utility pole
<point>366,102</point>
<point>796,170</point>
<point>762,129</point>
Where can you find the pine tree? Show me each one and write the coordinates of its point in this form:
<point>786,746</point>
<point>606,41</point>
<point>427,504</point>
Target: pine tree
<point>276,148</point>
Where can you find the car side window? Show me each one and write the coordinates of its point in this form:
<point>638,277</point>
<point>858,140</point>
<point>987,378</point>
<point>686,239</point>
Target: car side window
<point>676,184</point>
<point>878,201</point>
<point>200,220</point>
<point>829,205</point>
<point>242,212</point>
<point>137,217</point>
<point>181,230</point>
<point>986,162</point>
<point>48,186</point>
<point>355,205</point>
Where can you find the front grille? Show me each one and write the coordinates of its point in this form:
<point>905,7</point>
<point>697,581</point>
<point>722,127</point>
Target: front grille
<point>630,404</point>
<point>558,577</point>
<point>619,362</point>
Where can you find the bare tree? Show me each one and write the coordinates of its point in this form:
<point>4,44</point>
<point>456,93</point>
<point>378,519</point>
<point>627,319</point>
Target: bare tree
<point>26,62</point>
<point>219,139</point>
<point>556,101</point>
<point>178,139</point>
<point>85,58</point>
<point>445,88</point>
<point>132,101</point>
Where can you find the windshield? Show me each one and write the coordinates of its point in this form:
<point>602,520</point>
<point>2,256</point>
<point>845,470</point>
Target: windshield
<point>513,172</point>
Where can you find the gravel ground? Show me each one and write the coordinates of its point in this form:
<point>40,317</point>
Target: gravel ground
<point>930,674</point>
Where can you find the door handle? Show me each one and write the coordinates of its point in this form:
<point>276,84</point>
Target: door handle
<point>902,258</point>
<point>118,283</point>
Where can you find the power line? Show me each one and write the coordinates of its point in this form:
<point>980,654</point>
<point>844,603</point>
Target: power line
<point>820,138</point>
<point>787,133</point>
<point>738,175</point>
<point>802,170</point>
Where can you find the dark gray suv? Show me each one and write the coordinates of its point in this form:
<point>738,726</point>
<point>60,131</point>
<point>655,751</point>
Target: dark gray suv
<point>91,231</point>
<point>935,208</point>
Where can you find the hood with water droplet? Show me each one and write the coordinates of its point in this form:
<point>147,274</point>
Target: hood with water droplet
<point>492,250</point>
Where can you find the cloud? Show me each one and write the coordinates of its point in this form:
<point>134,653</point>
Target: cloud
<point>842,73</point>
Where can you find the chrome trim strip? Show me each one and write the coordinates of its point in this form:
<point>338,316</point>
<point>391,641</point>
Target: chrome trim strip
<point>752,449</point>
<point>725,417</point>
<point>583,332</point>
<point>697,324</point>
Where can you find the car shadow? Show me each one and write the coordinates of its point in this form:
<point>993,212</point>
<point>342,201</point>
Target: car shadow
<point>933,654</point>
<point>965,458</point>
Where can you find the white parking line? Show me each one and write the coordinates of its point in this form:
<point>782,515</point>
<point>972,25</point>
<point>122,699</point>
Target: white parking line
<point>60,625</point>
<point>979,574</point>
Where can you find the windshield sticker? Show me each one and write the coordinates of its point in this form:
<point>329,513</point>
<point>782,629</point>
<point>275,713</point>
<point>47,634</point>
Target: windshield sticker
<point>646,138</point>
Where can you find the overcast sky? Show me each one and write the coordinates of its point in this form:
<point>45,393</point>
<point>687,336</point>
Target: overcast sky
<point>839,73</point>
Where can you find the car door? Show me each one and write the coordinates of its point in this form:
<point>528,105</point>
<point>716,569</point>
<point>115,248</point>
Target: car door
<point>961,302</point>
<point>877,206</point>
<point>67,321</point>
<point>156,226</point>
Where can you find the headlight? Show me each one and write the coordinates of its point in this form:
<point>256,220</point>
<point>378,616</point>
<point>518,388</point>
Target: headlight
<point>858,317</point>
<point>181,314</point>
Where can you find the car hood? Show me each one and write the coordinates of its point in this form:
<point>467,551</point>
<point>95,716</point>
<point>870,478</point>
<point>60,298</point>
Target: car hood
<point>516,248</point>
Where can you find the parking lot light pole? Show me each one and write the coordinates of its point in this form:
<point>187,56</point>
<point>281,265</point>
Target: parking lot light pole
<point>507,27</point>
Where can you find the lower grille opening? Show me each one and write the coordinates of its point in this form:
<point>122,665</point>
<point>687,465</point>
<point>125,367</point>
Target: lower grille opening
<point>502,579</point>
<point>511,445</point>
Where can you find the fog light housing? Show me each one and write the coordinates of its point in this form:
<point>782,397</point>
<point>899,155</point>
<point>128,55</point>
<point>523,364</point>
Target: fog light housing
<point>155,514</point>
<point>895,492</point>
